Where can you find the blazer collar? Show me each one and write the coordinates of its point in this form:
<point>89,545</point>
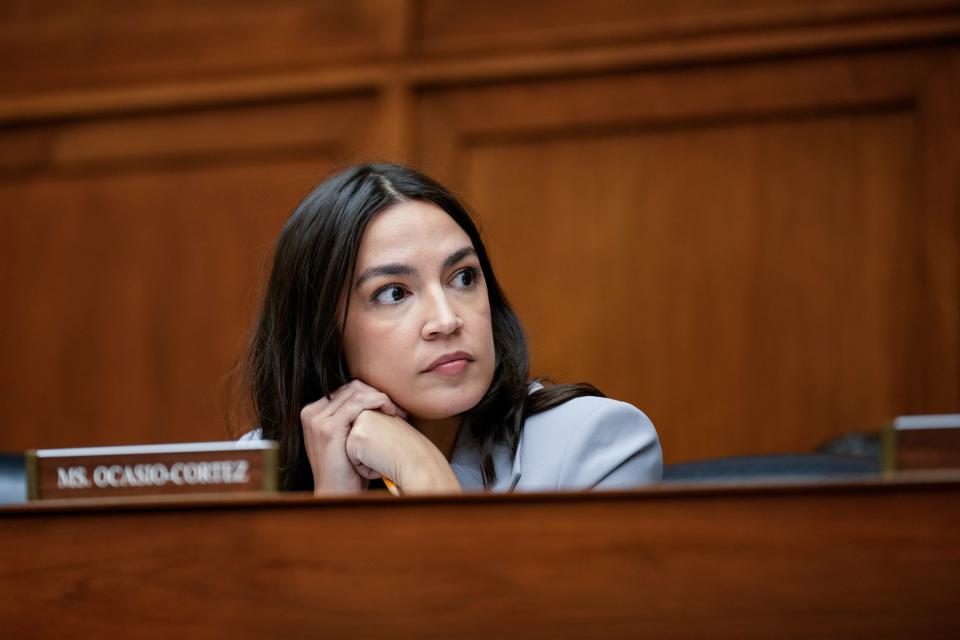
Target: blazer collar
<point>465,460</point>
<point>466,464</point>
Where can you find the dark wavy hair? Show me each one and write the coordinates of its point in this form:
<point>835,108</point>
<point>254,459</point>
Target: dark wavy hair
<point>296,354</point>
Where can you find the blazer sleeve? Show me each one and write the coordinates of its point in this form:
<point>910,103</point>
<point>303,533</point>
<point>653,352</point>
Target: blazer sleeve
<point>614,446</point>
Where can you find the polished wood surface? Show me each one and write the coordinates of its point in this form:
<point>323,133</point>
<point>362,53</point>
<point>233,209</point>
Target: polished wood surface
<point>53,45</point>
<point>741,217</point>
<point>876,560</point>
<point>135,250</point>
<point>451,27</point>
<point>725,257</point>
<point>927,448</point>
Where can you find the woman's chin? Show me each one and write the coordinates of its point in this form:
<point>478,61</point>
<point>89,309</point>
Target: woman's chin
<point>441,409</point>
<point>432,413</point>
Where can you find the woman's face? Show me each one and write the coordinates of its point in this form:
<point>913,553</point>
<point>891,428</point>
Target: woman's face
<point>418,321</point>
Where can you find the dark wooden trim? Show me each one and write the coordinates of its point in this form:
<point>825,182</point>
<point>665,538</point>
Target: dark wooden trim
<point>903,482</point>
<point>406,73</point>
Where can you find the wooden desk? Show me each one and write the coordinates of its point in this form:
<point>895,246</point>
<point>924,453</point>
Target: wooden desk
<point>854,560</point>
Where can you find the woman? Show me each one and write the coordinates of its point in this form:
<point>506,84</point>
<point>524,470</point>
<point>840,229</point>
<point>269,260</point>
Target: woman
<point>385,348</point>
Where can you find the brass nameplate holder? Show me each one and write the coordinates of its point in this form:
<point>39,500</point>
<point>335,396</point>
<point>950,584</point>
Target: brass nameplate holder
<point>923,442</point>
<point>162,469</point>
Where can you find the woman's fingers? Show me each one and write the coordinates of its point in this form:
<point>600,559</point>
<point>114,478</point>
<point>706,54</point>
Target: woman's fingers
<point>332,419</point>
<point>328,405</point>
<point>327,424</point>
<point>357,396</point>
<point>339,396</point>
<point>366,472</point>
<point>322,403</point>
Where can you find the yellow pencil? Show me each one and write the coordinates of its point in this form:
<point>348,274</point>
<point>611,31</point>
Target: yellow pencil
<point>391,485</point>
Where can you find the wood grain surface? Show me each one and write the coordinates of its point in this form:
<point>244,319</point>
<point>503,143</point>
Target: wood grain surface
<point>747,265</point>
<point>853,561</point>
<point>927,449</point>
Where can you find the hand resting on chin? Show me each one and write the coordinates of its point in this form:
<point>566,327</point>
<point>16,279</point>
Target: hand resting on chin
<point>358,433</point>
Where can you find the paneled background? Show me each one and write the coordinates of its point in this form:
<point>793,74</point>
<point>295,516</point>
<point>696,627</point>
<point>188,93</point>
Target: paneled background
<point>743,217</point>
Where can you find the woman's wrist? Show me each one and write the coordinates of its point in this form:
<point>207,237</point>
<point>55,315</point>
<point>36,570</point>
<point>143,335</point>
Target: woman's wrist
<point>429,473</point>
<point>332,472</point>
<point>391,447</point>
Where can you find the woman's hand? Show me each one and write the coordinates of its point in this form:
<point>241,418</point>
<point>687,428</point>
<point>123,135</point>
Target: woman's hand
<point>326,426</point>
<point>386,445</point>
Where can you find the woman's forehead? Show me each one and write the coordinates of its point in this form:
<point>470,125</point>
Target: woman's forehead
<point>412,230</point>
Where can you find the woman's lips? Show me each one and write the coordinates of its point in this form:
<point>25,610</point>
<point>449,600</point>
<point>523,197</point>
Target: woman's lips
<point>450,368</point>
<point>450,363</point>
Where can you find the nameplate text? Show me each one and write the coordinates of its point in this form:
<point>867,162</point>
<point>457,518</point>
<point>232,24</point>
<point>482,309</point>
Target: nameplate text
<point>201,467</point>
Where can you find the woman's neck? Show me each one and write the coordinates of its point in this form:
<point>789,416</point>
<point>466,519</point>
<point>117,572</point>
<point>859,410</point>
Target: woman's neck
<point>442,433</point>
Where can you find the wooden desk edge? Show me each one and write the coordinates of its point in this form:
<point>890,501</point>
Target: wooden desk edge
<point>906,481</point>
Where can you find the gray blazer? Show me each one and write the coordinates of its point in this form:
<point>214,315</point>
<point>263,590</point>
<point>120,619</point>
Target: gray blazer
<point>585,443</point>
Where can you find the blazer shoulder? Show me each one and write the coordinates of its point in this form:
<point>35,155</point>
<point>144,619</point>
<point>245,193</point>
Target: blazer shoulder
<point>251,436</point>
<point>590,442</point>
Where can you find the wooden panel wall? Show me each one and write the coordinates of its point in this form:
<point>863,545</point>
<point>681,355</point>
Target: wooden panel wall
<point>742,217</point>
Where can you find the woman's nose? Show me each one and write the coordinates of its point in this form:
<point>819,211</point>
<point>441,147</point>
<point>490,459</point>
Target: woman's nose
<point>441,317</point>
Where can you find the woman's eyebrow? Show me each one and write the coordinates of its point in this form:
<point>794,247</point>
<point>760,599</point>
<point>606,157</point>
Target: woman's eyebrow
<point>457,256</point>
<point>400,269</point>
<point>394,269</point>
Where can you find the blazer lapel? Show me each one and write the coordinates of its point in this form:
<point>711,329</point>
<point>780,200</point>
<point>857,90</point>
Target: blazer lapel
<point>465,463</point>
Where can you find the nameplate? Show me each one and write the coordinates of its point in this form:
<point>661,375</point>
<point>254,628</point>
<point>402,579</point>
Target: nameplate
<point>923,442</point>
<point>162,469</point>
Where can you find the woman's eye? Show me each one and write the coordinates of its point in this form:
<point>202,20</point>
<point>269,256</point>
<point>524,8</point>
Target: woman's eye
<point>390,294</point>
<point>465,278</point>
